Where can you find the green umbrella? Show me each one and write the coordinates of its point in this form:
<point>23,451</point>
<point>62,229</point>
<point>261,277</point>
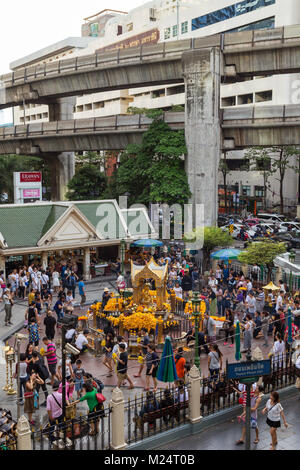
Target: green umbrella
<point>290,336</point>
<point>167,369</point>
<point>238,342</point>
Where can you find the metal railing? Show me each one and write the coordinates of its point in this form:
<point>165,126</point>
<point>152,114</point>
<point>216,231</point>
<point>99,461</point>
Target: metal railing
<point>145,418</point>
<point>287,36</point>
<point>219,392</point>
<point>76,434</point>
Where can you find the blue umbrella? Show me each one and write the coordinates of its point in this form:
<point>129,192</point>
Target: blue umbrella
<point>290,335</point>
<point>147,243</point>
<point>228,253</point>
<point>167,370</point>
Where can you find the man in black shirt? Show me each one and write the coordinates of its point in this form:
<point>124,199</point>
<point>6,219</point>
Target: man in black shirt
<point>122,367</point>
<point>50,323</point>
<point>143,351</point>
<point>39,367</point>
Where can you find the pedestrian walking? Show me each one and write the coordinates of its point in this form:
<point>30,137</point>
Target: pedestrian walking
<point>274,412</point>
<point>8,304</point>
<point>215,362</point>
<point>152,362</point>
<point>82,293</point>
<point>122,366</point>
<point>248,333</point>
<point>50,322</point>
<point>31,395</point>
<point>256,398</point>
<point>51,358</point>
<point>54,409</point>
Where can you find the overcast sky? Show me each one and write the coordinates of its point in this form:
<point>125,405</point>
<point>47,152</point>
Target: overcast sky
<point>27,26</point>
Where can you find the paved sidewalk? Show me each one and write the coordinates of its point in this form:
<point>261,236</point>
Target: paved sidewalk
<point>94,291</point>
<point>224,435</point>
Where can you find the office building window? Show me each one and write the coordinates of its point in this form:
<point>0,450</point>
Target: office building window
<point>246,190</point>
<point>94,29</point>
<point>231,11</point>
<point>237,164</point>
<point>167,34</point>
<point>263,96</point>
<point>120,30</point>
<point>175,30</point>
<point>259,191</point>
<point>184,27</point>
<point>245,99</point>
<point>228,101</point>
<point>268,23</point>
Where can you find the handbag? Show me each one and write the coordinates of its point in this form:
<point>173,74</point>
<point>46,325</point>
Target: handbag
<point>100,398</point>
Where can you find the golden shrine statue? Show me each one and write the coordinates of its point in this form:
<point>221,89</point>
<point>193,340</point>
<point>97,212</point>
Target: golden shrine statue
<point>140,274</point>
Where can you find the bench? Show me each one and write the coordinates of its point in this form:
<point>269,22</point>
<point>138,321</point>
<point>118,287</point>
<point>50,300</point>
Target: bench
<point>172,411</point>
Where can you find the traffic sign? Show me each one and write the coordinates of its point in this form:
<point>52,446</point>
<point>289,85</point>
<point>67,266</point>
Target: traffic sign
<point>244,370</point>
<point>231,229</point>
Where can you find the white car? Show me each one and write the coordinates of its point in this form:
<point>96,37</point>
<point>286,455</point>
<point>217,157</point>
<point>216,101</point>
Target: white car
<point>290,225</point>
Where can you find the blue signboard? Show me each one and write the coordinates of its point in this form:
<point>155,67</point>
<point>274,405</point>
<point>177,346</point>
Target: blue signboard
<point>231,11</point>
<point>243,370</point>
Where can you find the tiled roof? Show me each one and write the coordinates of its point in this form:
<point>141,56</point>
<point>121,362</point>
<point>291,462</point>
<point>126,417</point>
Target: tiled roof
<point>23,226</point>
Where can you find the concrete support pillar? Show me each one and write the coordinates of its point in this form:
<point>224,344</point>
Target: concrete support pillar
<point>117,404</point>
<point>24,434</point>
<point>258,356</point>
<point>87,264</point>
<point>194,396</point>
<point>202,72</point>
<point>62,165</point>
<point>44,259</point>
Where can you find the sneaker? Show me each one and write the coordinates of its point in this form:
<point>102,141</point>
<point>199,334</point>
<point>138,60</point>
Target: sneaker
<point>44,404</point>
<point>231,346</point>
<point>225,344</point>
<point>11,324</point>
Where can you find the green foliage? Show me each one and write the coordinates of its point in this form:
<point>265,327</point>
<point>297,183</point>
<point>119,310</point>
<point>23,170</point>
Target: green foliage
<point>213,236</point>
<point>87,184</point>
<point>150,113</point>
<point>262,253</point>
<point>14,163</point>
<point>153,171</point>
<point>92,158</point>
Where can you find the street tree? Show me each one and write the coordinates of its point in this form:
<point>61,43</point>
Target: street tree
<point>262,253</point>
<point>87,184</point>
<point>275,161</point>
<point>211,238</point>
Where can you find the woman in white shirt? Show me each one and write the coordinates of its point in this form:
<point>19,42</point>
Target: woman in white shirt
<point>274,412</point>
<point>279,352</point>
<point>55,281</point>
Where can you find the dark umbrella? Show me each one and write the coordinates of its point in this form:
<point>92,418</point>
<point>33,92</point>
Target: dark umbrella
<point>167,370</point>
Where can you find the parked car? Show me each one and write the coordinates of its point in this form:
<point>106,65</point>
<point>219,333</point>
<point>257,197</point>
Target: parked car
<point>252,222</point>
<point>291,225</point>
<point>272,218</point>
<point>292,240</point>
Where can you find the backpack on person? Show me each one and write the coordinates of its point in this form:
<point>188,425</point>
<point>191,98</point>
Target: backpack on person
<point>99,385</point>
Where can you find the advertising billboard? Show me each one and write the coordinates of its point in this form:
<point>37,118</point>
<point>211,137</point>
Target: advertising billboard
<point>6,117</point>
<point>27,187</point>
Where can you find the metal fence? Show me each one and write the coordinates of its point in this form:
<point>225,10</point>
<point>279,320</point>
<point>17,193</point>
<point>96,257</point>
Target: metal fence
<point>166,409</point>
<point>88,432</point>
<point>219,393</point>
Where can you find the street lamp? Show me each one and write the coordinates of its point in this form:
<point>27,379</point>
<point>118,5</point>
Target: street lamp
<point>123,249</point>
<point>196,302</point>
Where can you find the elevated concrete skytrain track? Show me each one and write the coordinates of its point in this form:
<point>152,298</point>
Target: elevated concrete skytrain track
<point>245,54</point>
<point>200,63</point>
<point>242,127</point>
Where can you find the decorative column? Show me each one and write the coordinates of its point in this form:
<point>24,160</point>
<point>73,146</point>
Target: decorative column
<point>194,398</point>
<point>44,259</point>
<point>87,264</point>
<point>2,264</point>
<point>23,434</point>
<point>117,404</point>
<point>258,356</point>
<point>202,71</point>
